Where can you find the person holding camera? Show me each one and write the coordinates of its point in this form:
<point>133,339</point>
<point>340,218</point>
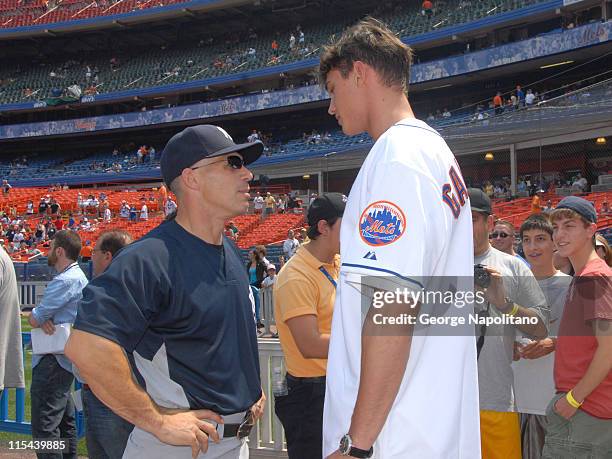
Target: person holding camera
<point>516,302</point>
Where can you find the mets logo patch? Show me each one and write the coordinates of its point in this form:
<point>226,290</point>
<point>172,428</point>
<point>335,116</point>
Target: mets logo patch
<point>381,223</point>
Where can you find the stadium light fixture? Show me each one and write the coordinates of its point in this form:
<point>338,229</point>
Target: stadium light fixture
<point>557,64</point>
<point>600,141</point>
<point>306,177</point>
<point>489,156</point>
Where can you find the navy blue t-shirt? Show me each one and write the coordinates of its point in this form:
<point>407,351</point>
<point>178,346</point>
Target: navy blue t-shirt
<point>184,311</point>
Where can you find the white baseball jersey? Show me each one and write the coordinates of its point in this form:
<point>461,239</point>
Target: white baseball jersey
<point>407,218</point>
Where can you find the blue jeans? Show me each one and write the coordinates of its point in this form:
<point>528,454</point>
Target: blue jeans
<point>255,291</point>
<point>106,433</point>
<point>53,414</point>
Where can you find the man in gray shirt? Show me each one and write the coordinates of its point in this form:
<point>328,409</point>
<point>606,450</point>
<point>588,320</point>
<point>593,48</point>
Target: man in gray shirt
<point>11,357</point>
<point>515,301</point>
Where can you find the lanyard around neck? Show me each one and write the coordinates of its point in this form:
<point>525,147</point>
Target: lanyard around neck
<point>326,274</point>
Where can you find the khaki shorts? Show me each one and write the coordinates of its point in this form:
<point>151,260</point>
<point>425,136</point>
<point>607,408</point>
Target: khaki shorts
<point>581,436</point>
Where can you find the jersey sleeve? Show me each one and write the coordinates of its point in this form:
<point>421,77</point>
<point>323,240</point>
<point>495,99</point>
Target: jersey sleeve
<point>119,304</point>
<point>399,231</point>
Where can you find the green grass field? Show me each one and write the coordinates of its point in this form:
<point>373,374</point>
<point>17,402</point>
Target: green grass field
<point>5,436</point>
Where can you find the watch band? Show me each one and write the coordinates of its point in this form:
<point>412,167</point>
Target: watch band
<point>347,449</point>
<point>360,453</point>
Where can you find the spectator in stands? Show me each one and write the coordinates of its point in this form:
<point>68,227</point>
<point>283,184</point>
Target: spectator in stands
<point>605,209</point>
<point>86,252</point>
<point>107,214</point>
<point>270,204</point>
<point>42,206</point>
<point>51,231</point>
<point>303,306</point>
<point>270,280</point>
<point>85,224</point>
<point>263,252</point>
<point>144,210</point>
<point>11,354</point>
<point>274,47</point>
<point>549,207</point>
<point>520,96</point>
<point>254,136</point>
<point>133,214</point>
<point>579,416</point>
<point>55,207</point>
<point>291,42</point>
<point>124,210</point>
<point>446,113</point>
<point>6,187</point>
<point>170,207</point>
<point>59,223</point>
<point>258,203</point>
<point>581,183</point>
<point>234,229</point>
<point>534,383</point>
<point>536,202</point>
<point>503,238</point>
<point>290,245</point>
<point>18,238</point>
<point>427,8</point>
<point>178,259</point>
<point>602,248</point>
<point>30,208</point>
<point>281,204</point>
<point>106,432</point>
<point>53,412</point>
<point>529,98</point>
<point>40,233</point>
<point>498,103</point>
<point>303,237</point>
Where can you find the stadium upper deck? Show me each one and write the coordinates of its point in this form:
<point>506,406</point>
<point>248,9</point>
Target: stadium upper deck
<point>93,72</point>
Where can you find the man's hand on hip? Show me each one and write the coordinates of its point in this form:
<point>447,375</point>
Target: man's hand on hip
<point>188,428</point>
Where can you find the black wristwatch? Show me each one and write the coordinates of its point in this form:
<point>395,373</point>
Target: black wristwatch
<point>347,449</point>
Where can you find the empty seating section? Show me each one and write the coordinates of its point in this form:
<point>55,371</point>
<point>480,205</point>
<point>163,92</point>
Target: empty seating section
<point>94,165</point>
<point>19,13</point>
<point>182,62</point>
<point>270,230</point>
<point>517,210</point>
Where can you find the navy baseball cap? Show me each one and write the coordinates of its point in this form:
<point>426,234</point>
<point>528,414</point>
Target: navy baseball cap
<point>580,206</point>
<point>190,145</point>
<point>479,201</point>
<point>326,207</point>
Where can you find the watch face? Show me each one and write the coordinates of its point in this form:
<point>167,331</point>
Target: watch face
<point>345,444</point>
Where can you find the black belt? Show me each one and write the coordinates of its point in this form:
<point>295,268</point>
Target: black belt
<point>312,380</point>
<point>231,430</point>
<point>241,430</point>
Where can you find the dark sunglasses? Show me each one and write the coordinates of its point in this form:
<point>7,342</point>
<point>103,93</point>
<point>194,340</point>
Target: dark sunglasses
<point>233,161</point>
<point>497,235</point>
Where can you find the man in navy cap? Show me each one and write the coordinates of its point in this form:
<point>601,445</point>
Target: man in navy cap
<point>178,307</point>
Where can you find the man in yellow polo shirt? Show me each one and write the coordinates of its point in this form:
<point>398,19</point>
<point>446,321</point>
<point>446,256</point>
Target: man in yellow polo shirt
<point>304,296</point>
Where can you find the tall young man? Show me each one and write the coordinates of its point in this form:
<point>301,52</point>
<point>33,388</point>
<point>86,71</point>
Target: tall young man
<point>533,373</point>
<point>580,415</point>
<point>388,392</point>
